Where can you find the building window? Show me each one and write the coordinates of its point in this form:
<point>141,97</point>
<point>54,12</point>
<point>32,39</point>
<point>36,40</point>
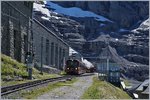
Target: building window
<point>56,56</point>
<point>41,51</point>
<point>60,58</point>
<point>63,52</point>
<point>17,45</point>
<point>47,52</point>
<point>15,38</point>
<point>25,47</point>
<point>52,53</point>
<point>117,74</point>
<point>26,3</point>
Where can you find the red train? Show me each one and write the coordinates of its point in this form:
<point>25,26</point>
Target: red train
<point>75,66</point>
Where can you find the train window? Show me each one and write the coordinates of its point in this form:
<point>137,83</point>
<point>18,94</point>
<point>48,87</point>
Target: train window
<point>69,63</point>
<point>76,64</point>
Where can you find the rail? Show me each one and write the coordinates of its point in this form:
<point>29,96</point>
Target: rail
<point>13,88</point>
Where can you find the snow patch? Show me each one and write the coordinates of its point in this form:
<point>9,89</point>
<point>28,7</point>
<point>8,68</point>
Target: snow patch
<point>40,7</point>
<point>71,51</point>
<point>55,17</point>
<point>61,21</point>
<point>87,63</point>
<point>144,26</point>
<point>75,12</point>
<point>146,22</point>
<point>45,18</point>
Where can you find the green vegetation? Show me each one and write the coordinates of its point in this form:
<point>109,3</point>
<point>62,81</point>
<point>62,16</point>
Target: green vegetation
<point>38,77</point>
<point>39,91</point>
<point>12,68</point>
<point>63,73</point>
<point>104,90</point>
<point>11,71</point>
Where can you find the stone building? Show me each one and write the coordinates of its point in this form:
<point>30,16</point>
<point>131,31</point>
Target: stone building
<point>20,34</point>
<point>15,28</point>
<point>49,49</point>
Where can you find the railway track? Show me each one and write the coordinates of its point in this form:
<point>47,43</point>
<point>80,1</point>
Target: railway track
<point>13,88</point>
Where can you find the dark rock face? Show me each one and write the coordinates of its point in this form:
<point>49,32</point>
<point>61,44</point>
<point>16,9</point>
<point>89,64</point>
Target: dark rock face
<point>134,51</point>
<point>125,14</point>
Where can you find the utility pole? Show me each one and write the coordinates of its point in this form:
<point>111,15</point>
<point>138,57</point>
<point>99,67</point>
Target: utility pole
<point>42,55</point>
<point>107,68</point>
<point>64,63</point>
<point>107,61</point>
<point>29,50</point>
<point>29,65</point>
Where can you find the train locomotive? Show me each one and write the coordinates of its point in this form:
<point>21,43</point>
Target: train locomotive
<point>77,65</point>
<point>74,66</point>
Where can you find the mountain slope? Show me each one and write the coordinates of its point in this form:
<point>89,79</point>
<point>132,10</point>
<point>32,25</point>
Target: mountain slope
<point>124,13</point>
<point>86,30</point>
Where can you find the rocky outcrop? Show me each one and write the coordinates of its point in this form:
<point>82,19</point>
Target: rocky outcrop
<point>137,58</point>
<point>124,13</point>
<point>69,30</point>
<point>134,51</point>
<point>127,67</point>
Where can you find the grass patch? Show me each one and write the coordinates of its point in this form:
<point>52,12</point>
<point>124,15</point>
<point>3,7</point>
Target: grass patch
<point>39,91</point>
<point>8,83</point>
<point>63,73</point>
<point>10,69</point>
<point>104,90</point>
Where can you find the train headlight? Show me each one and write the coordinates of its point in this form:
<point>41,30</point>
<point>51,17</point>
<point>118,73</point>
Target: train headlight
<point>76,68</point>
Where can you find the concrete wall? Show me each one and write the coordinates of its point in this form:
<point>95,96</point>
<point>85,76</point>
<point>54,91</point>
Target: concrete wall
<point>49,49</point>
<point>15,27</point>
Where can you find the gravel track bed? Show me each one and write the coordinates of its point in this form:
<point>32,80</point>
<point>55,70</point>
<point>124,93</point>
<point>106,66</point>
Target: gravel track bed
<point>74,91</point>
<point>17,94</point>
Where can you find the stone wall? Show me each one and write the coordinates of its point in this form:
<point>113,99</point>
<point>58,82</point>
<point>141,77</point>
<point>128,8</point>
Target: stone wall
<point>15,28</point>
<point>49,49</point>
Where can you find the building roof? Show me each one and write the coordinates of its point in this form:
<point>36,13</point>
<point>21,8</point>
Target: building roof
<point>146,91</point>
<point>36,21</point>
<point>140,88</point>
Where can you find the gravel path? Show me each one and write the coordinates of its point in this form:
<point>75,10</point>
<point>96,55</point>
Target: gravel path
<point>74,91</point>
